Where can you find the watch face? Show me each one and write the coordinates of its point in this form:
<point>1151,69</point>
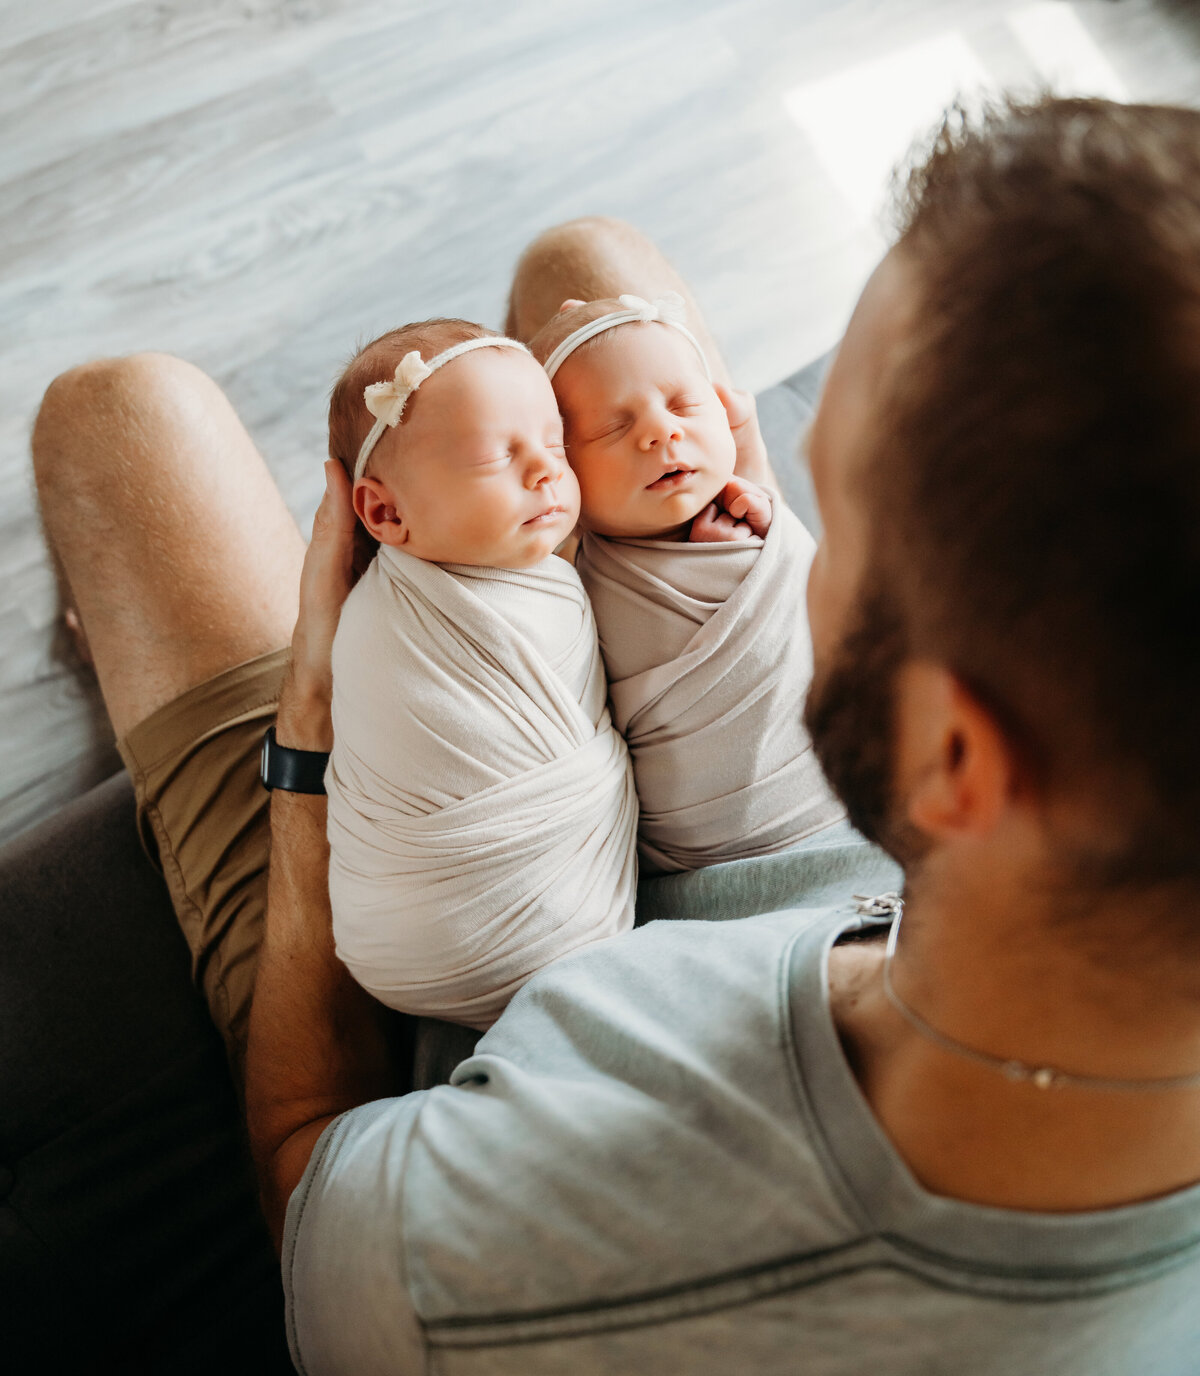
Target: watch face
<point>264,759</point>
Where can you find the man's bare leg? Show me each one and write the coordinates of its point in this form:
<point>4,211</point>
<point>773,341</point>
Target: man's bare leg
<point>178,552</point>
<point>183,563</point>
<point>590,258</point>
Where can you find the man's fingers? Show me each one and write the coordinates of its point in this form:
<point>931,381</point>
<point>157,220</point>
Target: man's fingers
<point>335,523</point>
<point>335,518</point>
<point>739,405</point>
<point>328,571</point>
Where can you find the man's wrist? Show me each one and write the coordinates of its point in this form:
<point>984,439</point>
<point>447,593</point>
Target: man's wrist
<point>303,721</point>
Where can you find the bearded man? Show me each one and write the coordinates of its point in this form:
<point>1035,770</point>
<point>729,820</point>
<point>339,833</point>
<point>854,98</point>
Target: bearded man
<point>953,1131</point>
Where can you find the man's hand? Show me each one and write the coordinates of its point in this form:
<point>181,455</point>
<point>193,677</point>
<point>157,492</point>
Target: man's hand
<point>317,1045</point>
<point>752,462</point>
<point>331,568</point>
<point>741,510</point>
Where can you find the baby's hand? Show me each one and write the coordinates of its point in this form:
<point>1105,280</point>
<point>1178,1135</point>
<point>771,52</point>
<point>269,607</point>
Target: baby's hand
<point>742,509</point>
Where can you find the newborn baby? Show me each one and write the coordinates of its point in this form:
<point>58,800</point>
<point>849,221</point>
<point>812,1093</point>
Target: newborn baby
<point>482,815</point>
<point>697,579</point>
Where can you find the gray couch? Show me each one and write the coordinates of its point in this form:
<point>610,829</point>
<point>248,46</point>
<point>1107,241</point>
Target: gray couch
<point>130,1239</point>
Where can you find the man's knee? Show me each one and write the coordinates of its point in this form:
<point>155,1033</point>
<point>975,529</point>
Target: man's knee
<point>580,257</point>
<point>97,401</point>
<point>585,230</point>
<point>587,238</point>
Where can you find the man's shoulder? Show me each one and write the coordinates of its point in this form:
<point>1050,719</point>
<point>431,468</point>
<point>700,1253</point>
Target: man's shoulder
<point>665,979</point>
<point>634,1121</point>
<point>655,1072</point>
<point>638,1161</point>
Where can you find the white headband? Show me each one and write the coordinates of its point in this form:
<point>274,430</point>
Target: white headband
<point>386,400</point>
<point>668,309</point>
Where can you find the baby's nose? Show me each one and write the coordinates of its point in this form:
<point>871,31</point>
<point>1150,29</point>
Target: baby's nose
<point>660,431</point>
<point>545,468</point>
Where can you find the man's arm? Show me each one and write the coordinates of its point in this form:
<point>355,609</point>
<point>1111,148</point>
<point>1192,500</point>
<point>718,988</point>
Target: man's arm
<point>316,1044</point>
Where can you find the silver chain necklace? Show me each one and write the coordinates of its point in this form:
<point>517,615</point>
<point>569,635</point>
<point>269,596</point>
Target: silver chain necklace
<point>1040,1076</point>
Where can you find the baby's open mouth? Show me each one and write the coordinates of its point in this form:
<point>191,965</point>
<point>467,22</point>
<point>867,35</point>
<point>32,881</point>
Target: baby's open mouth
<point>673,477</point>
<point>545,516</point>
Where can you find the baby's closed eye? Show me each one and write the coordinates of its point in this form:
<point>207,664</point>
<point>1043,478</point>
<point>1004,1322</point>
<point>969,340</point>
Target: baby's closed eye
<point>608,430</point>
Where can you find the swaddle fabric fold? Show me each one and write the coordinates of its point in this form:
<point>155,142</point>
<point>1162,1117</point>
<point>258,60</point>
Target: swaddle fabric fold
<point>482,814</point>
<point>709,659</point>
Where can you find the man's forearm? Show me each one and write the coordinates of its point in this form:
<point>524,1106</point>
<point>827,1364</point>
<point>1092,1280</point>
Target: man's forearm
<point>316,1044</point>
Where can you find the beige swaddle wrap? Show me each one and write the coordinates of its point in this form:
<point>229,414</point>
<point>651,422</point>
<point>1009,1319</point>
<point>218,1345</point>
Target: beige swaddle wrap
<point>709,659</point>
<point>482,814</point>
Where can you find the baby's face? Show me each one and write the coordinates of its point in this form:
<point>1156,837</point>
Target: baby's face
<point>646,433</point>
<point>477,473</point>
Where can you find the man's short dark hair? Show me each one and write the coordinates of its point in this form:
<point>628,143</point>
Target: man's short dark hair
<point>1036,491</point>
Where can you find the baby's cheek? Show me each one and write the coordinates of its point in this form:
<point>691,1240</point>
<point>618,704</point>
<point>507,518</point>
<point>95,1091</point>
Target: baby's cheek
<point>603,496</point>
<point>569,492</point>
<point>723,447</point>
<point>730,447</point>
<point>579,476</point>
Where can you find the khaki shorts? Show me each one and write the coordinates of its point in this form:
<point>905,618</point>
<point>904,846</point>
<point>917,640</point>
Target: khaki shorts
<point>203,816</point>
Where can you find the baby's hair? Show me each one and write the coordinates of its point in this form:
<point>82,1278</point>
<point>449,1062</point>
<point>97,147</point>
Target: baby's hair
<point>556,329</point>
<point>349,419</point>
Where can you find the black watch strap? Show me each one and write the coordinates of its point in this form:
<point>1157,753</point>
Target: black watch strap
<point>295,771</point>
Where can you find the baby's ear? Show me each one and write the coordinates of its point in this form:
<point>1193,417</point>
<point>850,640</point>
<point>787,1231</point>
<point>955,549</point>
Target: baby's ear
<point>376,508</point>
<point>570,303</point>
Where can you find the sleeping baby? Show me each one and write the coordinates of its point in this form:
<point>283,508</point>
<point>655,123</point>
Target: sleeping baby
<point>697,580</point>
<point>482,814</point>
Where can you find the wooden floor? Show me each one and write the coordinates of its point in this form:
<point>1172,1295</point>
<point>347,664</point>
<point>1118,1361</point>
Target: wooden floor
<point>255,184</point>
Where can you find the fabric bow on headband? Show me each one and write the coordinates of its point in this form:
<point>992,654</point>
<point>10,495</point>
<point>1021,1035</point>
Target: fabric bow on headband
<point>386,400</point>
<point>668,309</point>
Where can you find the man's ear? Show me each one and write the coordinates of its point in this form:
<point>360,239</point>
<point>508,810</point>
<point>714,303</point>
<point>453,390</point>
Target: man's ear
<point>376,508</point>
<point>955,767</point>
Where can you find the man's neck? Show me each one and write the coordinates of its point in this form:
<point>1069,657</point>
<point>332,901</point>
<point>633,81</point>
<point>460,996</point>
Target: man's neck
<point>994,973</point>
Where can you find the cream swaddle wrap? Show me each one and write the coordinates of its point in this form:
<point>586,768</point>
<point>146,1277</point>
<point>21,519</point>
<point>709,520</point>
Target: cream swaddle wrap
<point>482,814</point>
<point>709,659</point>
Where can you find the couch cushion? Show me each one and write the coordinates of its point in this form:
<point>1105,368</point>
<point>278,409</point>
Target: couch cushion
<point>130,1237</point>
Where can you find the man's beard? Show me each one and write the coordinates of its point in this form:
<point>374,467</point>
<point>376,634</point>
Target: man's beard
<point>850,715</point>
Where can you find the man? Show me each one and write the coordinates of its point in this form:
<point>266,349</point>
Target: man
<point>773,1144</point>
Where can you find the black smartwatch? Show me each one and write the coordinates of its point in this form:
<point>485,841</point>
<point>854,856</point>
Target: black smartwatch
<point>295,771</point>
